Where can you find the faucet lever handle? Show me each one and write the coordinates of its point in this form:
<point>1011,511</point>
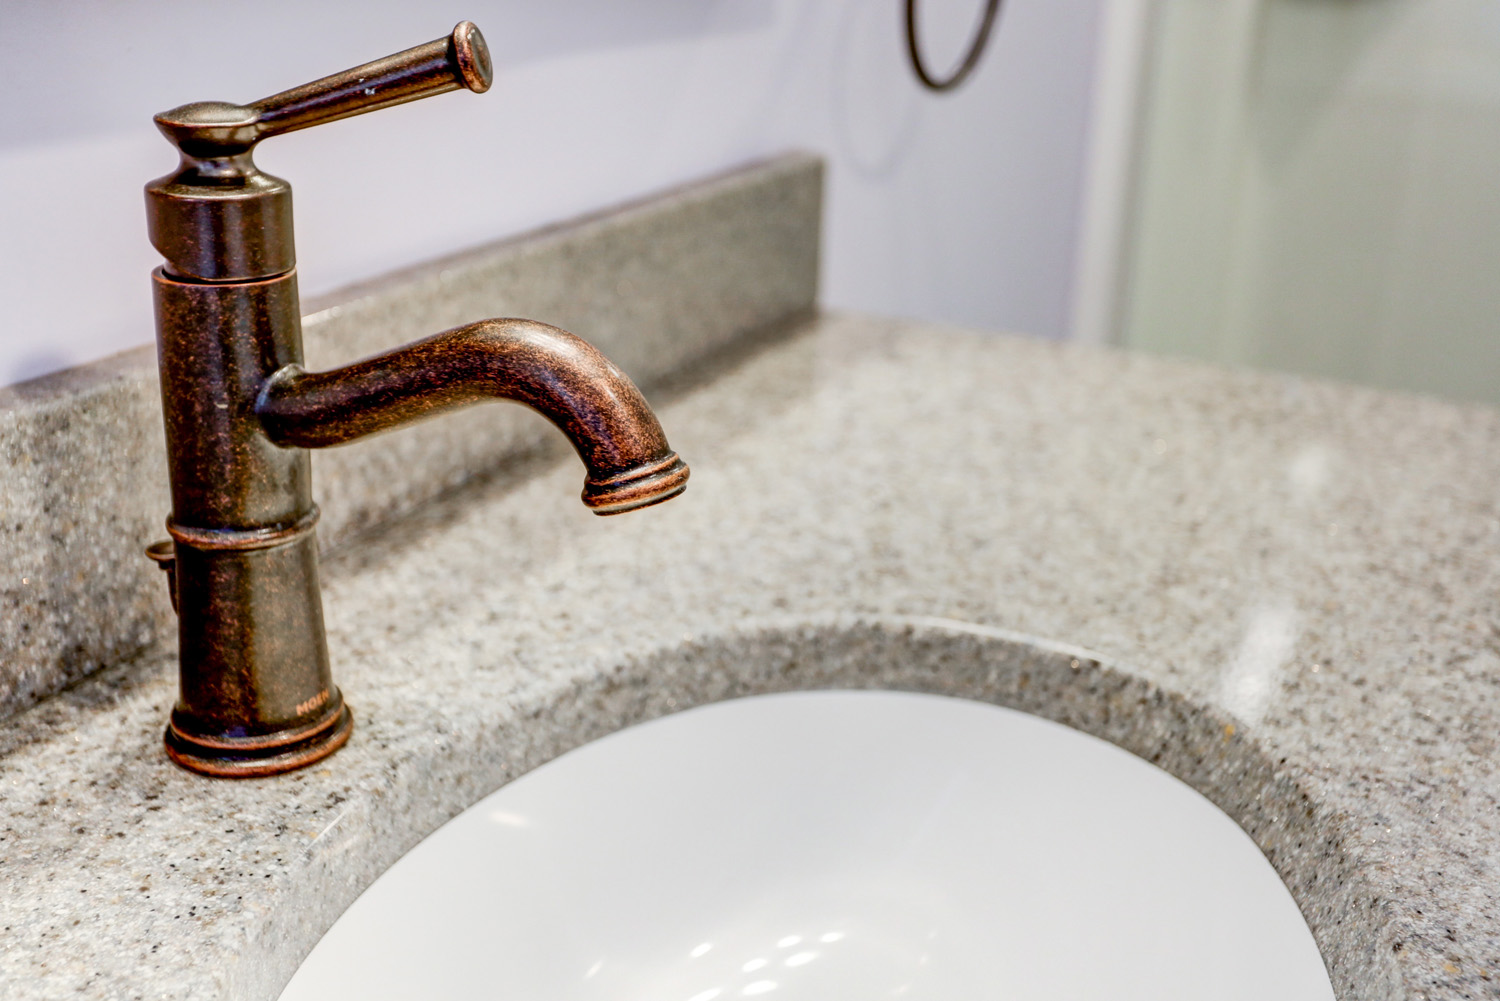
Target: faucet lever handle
<point>205,235</point>
<point>460,59</point>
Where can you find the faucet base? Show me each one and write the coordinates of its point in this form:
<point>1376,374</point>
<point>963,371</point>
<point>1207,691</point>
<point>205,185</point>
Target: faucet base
<point>223,759</point>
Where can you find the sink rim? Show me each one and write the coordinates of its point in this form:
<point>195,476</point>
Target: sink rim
<point>679,856</point>
<point>1265,795</point>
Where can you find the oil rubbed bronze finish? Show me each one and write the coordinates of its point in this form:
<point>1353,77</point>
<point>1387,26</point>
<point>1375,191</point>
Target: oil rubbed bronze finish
<point>257,696</point>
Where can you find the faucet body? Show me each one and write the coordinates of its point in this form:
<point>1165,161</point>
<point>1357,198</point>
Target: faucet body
<point>257,694</point>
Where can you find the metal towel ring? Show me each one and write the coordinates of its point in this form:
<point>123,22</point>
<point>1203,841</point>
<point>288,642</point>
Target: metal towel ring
<point>991,10</point>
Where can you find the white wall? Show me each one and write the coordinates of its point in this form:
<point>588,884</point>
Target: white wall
<point>961,208</point>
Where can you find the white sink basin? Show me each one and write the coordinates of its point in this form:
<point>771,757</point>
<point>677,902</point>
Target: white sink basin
<point>830,845</point>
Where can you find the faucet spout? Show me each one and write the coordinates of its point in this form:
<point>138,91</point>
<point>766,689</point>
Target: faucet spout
<point>562,377</point>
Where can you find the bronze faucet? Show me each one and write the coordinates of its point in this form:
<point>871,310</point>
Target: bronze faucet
<point>257,696</point>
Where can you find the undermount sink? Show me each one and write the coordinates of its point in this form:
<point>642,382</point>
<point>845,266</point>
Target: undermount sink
<point>830,845</point>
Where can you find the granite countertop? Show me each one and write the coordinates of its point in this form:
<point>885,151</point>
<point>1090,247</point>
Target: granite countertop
<point>1283,591</point>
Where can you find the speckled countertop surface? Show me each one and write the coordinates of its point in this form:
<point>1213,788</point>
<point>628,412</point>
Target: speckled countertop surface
<point>1292,591</point>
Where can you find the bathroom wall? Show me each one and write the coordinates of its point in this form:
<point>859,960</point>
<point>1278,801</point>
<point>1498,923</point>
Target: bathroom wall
<point>961,208</point>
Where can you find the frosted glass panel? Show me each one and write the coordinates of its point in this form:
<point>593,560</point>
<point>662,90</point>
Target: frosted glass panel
<point>1320,190</point>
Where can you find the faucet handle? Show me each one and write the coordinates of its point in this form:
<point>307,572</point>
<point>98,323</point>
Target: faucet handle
<point>219,218</point>
<point>460,59</point>
<point>210,129</point>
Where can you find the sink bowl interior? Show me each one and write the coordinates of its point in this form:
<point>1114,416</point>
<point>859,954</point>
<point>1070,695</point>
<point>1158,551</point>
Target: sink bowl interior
<point>830,845</point>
